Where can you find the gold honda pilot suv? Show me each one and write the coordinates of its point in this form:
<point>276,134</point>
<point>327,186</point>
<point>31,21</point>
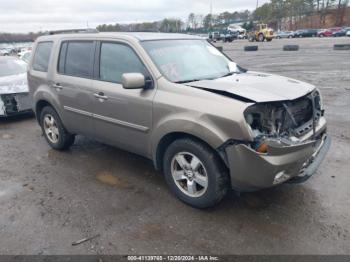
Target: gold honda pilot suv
<point>207,123</point>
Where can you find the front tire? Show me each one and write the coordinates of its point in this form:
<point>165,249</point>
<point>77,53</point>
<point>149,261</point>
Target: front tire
<point>195,173</point>
<point>54,132</point>
<point>261,38</point>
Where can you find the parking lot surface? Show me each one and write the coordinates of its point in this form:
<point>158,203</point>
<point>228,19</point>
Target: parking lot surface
<point>50,199</point>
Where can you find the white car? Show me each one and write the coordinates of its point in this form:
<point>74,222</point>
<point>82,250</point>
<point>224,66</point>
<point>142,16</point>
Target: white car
<point>14,93</point>
<point>348,33</point>
<point>242,36</point>
<point>25,56</point>
<point>4,52</point>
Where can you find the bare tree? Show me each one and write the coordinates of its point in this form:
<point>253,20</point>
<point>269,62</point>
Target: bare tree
<point>341,9</point>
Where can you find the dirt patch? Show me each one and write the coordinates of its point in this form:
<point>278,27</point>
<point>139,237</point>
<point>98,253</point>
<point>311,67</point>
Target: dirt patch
<point>7,136</point>
<point>151,231</point>
<point>109,179</point>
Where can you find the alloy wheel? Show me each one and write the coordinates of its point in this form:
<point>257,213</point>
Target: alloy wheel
<point>189,174</point>
<point>51,129</point>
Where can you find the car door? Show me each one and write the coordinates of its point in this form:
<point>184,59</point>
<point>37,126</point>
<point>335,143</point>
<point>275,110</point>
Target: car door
<point>73,85</point>
<point>122,117</point>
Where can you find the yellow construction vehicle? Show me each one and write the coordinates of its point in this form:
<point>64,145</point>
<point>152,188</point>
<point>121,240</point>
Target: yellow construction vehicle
<point>261,33</point>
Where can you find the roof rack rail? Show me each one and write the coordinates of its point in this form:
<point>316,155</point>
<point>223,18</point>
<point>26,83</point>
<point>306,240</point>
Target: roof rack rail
<point>74,31</point>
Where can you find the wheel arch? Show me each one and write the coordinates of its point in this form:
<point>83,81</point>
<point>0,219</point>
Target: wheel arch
<point>169,138</point>
<point>40,104</point>
<point>44,98</point>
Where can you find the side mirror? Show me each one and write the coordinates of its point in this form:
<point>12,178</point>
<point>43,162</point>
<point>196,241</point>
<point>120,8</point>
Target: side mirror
<point>133,81</point>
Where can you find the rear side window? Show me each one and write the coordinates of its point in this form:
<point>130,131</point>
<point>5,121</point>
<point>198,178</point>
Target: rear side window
<point>117,59</point>
<point>62,59</point>
<point>77,58</point>
<point>42,56</point>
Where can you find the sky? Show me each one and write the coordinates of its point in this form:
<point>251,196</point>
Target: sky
<point>21,16</point>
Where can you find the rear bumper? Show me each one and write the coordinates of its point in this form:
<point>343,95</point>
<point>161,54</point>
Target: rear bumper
<point>251,171</point>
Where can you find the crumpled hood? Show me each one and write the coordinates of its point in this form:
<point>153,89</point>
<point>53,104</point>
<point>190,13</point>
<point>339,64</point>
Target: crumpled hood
<point>14,84</point>
<point>257,87</point>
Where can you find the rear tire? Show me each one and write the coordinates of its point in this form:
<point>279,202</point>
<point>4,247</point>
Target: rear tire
<point>54,132</point>
<point>195,173</point>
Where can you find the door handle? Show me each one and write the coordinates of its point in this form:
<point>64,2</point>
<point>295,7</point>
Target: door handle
<point>57,86</point>
<point>100,96</point>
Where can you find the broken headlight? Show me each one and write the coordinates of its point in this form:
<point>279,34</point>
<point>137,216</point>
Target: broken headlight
<point>283,121</point>
<point>318,101</point>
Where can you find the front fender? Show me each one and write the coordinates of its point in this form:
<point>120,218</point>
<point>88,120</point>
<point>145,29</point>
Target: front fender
<point>204,131</point>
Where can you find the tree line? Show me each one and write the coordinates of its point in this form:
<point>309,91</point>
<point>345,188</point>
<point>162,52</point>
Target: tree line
<point>196,23</point>
<point>293,12</point>
<point>9,37</point>
<point>170,25</point>
<point>280,14</point>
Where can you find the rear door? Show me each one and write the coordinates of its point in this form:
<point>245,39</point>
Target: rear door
<point>73,84</point>
<point>122,117</point>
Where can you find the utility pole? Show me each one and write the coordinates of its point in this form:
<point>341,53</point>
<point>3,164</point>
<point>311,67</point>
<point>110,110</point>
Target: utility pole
<point>257,4</point>
<point>211,7</point>
<point>211,14</point>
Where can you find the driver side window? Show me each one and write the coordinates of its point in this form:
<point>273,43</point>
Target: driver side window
<point>117,59</point>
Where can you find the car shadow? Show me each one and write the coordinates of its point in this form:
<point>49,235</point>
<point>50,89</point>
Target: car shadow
<point>16,118</point>
<point>134,169</point>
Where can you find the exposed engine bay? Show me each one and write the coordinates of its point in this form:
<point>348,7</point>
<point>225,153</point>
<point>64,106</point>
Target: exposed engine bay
<point>285,121</point>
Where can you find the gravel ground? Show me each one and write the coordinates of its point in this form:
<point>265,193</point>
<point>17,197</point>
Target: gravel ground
<point>50,199</point>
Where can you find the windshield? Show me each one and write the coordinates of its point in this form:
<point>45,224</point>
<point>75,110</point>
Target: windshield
<point>183,61</point>
<point>12,67</point>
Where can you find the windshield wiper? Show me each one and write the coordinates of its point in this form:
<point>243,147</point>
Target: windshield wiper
<point>228,74</point>
<point>187,81</point>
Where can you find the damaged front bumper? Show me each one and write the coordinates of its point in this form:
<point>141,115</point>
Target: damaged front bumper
<point>14,104</point>
<point>251,171</point>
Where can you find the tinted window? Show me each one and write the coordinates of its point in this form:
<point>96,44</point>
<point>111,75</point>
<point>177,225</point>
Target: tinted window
<point>62,59</point>
<point>117,59</point>
<point>42,56</point>
<point>79,59</point>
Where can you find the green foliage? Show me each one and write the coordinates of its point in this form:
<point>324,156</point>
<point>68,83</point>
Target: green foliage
<point>248,26</point>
